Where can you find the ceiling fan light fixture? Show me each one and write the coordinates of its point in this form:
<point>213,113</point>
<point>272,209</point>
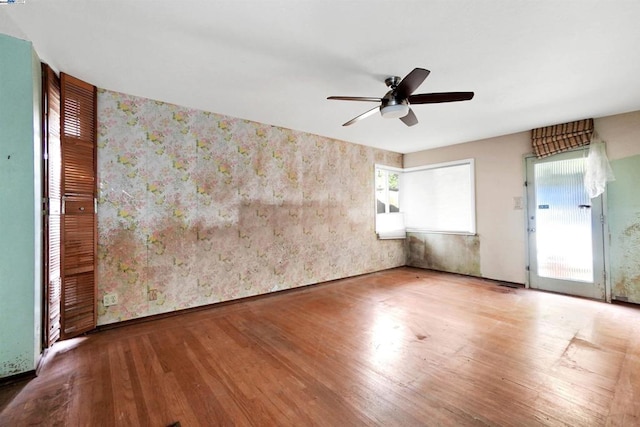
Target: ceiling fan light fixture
<point>395,104</point>
<point>394,111</point>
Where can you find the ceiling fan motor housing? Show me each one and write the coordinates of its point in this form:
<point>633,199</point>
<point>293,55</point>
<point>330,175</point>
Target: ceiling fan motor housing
<point>392,107</point>
<point>392,81</point>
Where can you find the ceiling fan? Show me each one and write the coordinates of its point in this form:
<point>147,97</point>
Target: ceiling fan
<point>396,103</point>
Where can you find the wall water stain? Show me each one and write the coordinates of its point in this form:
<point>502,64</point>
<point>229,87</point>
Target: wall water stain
<point>196,208</point>
<point>623,205</point>
<point>445,252</point>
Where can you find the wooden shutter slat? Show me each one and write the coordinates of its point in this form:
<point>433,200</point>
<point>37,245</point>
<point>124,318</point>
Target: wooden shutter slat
<point>79,304</point>
<point>79,167</point>
<point>79,103</point>
<point>53,127</point>
<point>52,194</point>
<point>54,246</point>
<point>54,310</point>
<point>78,127</point>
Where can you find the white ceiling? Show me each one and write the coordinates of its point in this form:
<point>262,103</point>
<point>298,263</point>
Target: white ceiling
<point>530,63</point>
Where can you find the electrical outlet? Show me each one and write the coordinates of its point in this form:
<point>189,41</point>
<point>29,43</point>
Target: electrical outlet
<point>153,294</point>
<point>110,299</point>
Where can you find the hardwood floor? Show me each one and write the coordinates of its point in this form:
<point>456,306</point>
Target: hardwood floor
<point>404,347</point>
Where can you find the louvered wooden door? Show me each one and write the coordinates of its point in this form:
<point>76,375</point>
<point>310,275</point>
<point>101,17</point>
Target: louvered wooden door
<point>78,136</point>
<point>52,207</point>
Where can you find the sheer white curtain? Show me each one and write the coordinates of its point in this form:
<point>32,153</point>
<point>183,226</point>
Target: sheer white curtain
<point>598,170</point>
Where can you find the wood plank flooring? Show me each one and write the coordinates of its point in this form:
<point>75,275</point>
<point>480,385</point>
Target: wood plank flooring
<point>403,347</point>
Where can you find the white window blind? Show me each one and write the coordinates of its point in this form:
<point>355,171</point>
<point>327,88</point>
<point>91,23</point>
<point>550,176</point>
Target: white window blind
<point>440,198</point>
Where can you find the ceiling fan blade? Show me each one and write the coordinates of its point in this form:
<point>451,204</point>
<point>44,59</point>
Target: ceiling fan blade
<point>410,119</point>
<point>362,116</point>
<point>433,98</point>
<point>355,98</point>
<point>411,82</point>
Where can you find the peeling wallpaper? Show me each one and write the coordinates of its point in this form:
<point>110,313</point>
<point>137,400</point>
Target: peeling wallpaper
<point>196,208</point>
<point>623,199</point>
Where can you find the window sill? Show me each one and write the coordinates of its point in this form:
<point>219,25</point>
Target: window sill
<point>392,235</point>
<point>423,231</point>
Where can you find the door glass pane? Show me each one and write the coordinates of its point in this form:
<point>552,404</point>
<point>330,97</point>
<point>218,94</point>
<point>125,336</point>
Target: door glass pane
<point>563,221</point>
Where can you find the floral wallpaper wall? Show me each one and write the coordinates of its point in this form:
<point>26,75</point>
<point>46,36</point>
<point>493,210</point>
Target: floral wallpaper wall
<point>196,208</point>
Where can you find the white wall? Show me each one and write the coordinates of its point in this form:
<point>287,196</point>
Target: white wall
<point>500,178</point>
<point>621,133</point>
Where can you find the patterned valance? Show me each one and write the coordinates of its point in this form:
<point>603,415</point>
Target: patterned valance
<point>558,138</point>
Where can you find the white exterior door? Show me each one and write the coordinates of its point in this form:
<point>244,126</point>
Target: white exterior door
<point>565,228</point>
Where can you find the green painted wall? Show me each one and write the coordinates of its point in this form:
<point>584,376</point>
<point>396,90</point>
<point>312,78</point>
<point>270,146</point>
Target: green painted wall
<point>623,200</point>
<point>19,229</point>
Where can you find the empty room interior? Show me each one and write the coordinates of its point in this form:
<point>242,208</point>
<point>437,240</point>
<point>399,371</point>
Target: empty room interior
<point>319,213</point>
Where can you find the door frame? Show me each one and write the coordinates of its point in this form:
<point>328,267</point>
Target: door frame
<point>606,237</point>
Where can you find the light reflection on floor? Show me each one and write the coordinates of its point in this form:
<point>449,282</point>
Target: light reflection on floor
<point>61,347</point>
<point>386,339</point>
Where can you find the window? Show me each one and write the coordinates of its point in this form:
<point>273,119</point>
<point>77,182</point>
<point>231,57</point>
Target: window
<point>387,190</point>
<point>389,219</point>
<point>440,198</point>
